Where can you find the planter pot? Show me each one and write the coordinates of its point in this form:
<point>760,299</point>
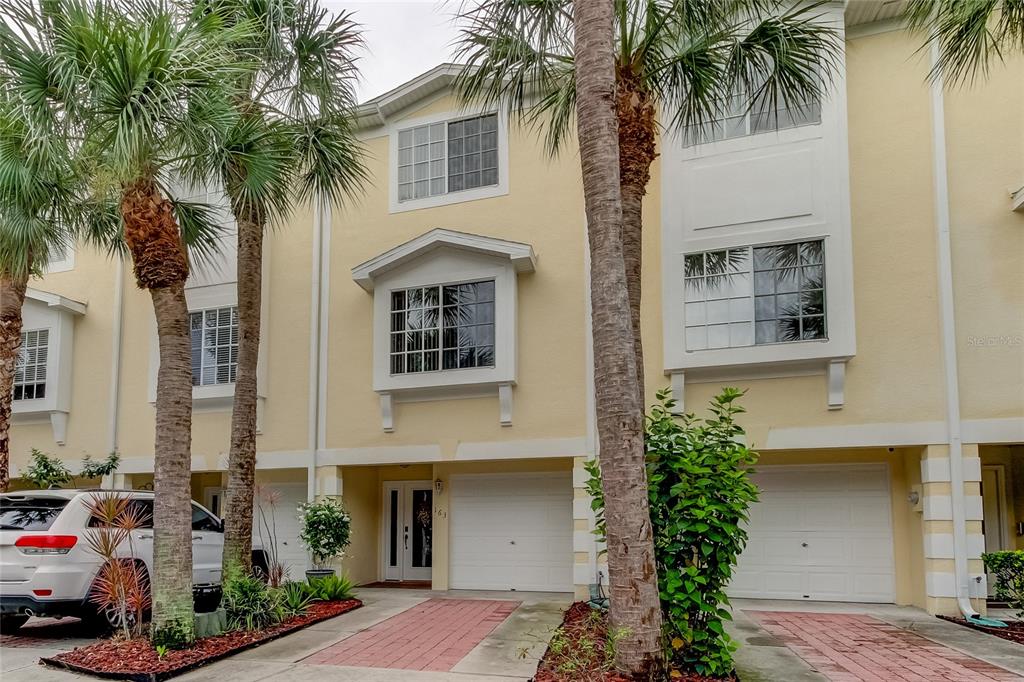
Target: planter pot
<point>316,573</point>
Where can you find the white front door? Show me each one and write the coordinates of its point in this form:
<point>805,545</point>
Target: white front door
<point>408,530</point>
<point>819,533</point>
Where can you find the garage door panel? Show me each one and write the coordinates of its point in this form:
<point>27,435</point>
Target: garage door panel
<point>282,520</point>
<point>511,532</point>
<point>824,542</point>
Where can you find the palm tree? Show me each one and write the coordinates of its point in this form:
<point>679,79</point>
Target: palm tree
<point>140,85</point>
<point>690,60</point>
<point>36,187</point>
<point>292,140</point>
<point>970,34</point>
<point>633,583</point>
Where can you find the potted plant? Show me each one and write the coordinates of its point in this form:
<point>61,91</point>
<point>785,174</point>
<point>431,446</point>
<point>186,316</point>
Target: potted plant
<point>326,527</point>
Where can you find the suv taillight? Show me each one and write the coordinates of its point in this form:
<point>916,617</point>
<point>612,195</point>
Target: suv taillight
<point>46,544</point>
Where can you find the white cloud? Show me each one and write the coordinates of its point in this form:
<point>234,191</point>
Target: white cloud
<point>403,40</point>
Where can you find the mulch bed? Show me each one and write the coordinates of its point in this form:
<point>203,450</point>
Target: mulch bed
<point>137,660</point>
<point>1014,630</point>
<point>584,629</point>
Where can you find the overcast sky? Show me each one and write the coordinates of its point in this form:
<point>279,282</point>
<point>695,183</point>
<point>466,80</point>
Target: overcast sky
<point>403,40</point>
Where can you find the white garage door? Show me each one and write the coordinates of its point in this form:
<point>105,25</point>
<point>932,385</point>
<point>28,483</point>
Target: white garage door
<point>282,515</point>
<point>819,533</point>
<point>511,532</point>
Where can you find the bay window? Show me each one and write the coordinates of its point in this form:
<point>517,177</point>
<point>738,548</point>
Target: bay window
<point>214,345</point>
<point>30,370</point>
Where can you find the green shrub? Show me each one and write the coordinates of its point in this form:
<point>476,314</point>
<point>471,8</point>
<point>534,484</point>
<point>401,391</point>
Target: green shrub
<point>1008,567</point>
<point>698,475</point>
<point>326,527</point>
<point>250,603</point>
<point>47,471</point>
<point>295,599</point>
<point>329,588</point>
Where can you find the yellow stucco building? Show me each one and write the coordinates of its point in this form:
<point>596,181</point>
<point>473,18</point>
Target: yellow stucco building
<point>427,357</point>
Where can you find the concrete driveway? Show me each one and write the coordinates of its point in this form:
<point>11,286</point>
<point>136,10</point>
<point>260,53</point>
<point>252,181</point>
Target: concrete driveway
<point>20,652</point>
<point>837,642</point>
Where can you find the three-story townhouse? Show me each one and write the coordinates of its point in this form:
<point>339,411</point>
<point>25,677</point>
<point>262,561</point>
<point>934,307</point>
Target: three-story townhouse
<point>854,264</point>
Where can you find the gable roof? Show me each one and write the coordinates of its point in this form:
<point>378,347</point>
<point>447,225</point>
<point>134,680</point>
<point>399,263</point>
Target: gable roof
<point>521,256</point>
<point>375,112</point>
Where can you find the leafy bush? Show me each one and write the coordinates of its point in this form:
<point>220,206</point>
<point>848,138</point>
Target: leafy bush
<point>46,471</point>
<point>295,599</point>
<point>1008,567</point>
<point>326,527</point>
<point>93,469</point>
<point>329,588</point>
<point>250,603</point>
<point>698,474</point>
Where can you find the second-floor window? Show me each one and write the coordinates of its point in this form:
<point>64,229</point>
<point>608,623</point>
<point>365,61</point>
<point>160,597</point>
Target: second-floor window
<point>450,156</point>
<point>442,327</point>
<point>214,345</point>
<point>755,295</point>
<point>30,371</point>
<point>739,119</point>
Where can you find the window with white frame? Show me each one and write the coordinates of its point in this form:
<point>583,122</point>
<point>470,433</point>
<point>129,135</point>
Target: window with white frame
<point>755,295</point>
<point>30,370</point>
<point>450,156</point>
<point>739,119</point>
<point>214,345</point>
<point>442,327</point>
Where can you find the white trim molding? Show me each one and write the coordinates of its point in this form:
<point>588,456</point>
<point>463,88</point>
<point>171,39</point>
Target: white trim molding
<point>521,256</point>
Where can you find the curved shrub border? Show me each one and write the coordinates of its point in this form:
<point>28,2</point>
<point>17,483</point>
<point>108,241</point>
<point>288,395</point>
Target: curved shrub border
<point>137,660</point>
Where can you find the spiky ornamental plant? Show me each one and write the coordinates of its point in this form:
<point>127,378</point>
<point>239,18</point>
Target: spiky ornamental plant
<point>121,591</point>
<point>682,60</point>
<point>970,34</point>
<point>141,84</point>
<point>292,141</point>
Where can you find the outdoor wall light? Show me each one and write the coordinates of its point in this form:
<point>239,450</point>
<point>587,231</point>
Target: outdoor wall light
<point>439,486</point>
<point>913,497</point>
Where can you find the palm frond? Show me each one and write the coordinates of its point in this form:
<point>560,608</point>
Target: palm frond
<point>970,34</point>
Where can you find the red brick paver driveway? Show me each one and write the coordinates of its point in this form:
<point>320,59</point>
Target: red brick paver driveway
<point>433,635</point>
<point>855,648</point>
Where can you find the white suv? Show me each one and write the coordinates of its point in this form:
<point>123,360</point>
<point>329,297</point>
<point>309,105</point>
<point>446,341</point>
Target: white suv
<point>47,567</point>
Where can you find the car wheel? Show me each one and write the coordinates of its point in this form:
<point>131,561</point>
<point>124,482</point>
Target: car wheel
<point>9,624</point>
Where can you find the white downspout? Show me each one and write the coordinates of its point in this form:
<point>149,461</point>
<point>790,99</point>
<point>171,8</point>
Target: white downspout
<point>956,462</point>
<point>314,352</point>
<point>113,409</point>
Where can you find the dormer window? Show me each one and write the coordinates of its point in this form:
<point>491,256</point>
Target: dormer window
<point>444,318</point>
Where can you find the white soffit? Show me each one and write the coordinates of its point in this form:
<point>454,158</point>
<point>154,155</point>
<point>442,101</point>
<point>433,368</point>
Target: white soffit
<point>520,255</point>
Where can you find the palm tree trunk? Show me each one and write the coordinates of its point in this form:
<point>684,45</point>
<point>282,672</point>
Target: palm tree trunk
<point>635,608</point>
<point>637,152</point>
<point>238,509</point>
<point>161,266</point>
<point>12,297</point>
